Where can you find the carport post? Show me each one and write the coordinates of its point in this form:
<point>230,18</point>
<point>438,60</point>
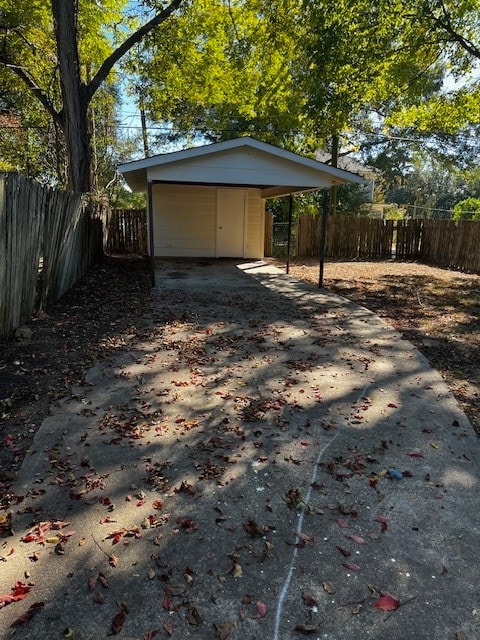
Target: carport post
<point>290,212</point>
<point>150,237</point>
<point>323,236</point>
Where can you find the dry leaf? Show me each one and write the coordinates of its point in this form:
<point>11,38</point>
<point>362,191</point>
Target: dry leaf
<point>223,630</point>
<point>168,626</point>
<point>117,622</point>
<point>329,588</point>
<point>387,602</point>
<point>309,599</point>
<point>113,560</point>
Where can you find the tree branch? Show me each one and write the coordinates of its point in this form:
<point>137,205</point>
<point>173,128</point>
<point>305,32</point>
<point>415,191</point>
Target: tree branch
<point>133,39</point>
<point>444,22</point>
<point>32,85</point>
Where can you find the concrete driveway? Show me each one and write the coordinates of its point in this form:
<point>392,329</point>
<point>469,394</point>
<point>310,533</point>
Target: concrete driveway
<point>271,461</point>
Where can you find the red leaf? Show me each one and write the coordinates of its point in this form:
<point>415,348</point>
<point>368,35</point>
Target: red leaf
<point>149,635</point>
<point>387,602</point>
<point>383,521</point>
<point>351,565</point>
<point>415,454</point>
<point>117,622</point>
<point>168,626</point>
<point>261,609</point>
<point>19,591</point>
<point>356,539</point>
<point>342,523</point>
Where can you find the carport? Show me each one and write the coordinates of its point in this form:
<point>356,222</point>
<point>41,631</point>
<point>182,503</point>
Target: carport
<point>209,201</point>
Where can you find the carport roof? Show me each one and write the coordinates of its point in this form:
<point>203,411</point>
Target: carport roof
<point>241,162</point>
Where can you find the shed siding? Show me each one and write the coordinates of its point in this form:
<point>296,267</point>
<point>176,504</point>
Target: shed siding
<point>184,222</point>
<point>255,225</point>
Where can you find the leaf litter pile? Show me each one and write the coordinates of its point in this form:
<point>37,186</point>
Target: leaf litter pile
<point>180,480</point>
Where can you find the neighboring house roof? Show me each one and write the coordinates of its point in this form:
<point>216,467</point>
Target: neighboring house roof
<point>239,162</point>
<point>349,164</point>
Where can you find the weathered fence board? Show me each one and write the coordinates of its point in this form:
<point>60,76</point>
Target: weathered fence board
<point>348,237</point>
<point>22,212</point>
<point>39,222</point>
<point>127,232</point>
<point>443,243</point>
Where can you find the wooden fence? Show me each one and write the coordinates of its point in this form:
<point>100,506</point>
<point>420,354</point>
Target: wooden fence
<point>48,240</point>
<point>126,232</point>
<point>443,243</point>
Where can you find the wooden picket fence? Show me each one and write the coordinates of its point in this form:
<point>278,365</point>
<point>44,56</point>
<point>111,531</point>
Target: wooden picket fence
<point>48,240</point>
<point>443,243</point>
<point>126,232</point>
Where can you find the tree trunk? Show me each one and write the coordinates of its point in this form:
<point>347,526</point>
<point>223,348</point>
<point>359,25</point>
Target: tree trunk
<point>74,114</point>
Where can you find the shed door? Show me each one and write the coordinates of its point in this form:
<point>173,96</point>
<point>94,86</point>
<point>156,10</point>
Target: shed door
<point>230,223</point>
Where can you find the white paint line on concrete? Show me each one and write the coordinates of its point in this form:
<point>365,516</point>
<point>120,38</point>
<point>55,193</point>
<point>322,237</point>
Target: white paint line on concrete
<point>301,515</point>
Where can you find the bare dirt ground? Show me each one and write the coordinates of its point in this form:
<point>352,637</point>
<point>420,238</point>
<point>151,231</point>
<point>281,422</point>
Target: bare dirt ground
<point>436,309</point>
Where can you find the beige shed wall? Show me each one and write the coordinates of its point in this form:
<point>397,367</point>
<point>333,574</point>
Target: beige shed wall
<point>185,221</point>
<point>255,225</point>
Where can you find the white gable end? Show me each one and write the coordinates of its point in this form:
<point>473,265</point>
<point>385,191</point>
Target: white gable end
<point>245,166</point>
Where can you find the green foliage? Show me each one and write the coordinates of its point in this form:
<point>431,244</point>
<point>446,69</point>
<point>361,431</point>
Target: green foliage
<point>468,209</point>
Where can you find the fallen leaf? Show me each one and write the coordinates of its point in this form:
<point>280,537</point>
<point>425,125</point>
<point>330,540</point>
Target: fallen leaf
<point>150,634</point>
<point>19,591</point>
<point>329,588</point>
<point>117,622</point>
<point>223,630</point>
<point>342,523</point>
<point>383,522</point>
<point>194,617</point>
<point>113,560</point>
<point>237,570</point>
<point>344,552</point>
<point>387,602</point>
<point>261,609</point>
<point>351,565</point>
<point>168,626</point>
<point>415,454</point>
<point>309,599</point>
<point>357,539</point>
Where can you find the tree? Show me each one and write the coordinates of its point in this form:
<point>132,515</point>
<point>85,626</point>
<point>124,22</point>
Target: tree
<point>468,209</point>
<point>71,73</point>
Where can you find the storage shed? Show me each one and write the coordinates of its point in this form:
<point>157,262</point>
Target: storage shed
<point>209,201</point>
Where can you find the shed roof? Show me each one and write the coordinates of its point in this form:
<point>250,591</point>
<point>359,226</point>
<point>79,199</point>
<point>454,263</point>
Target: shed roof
<point>241,162</point>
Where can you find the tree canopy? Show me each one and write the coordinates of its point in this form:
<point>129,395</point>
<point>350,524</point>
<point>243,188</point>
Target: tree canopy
<point>289,72</point>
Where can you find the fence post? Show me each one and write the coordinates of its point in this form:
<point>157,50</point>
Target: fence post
<point>268,239</point>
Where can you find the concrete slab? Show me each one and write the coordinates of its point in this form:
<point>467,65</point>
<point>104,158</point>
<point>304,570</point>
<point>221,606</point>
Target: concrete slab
<point>270,461</point>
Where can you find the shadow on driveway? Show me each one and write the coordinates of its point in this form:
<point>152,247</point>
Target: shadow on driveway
<point>271,461</point>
